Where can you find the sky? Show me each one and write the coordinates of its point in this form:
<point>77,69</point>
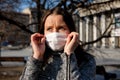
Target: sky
<point>26,5</point>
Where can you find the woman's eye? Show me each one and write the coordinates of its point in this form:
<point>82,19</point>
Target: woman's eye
<point>61,28</point>
<point>48,29</point>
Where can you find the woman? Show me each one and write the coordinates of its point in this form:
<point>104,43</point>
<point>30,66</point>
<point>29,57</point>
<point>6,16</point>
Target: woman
<point>57,54</point>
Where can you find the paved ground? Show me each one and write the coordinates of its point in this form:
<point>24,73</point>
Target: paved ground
<point>101,58</point>
<point>10,73</point>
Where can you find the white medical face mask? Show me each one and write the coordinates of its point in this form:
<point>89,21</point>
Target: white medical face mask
<point>56,41</point>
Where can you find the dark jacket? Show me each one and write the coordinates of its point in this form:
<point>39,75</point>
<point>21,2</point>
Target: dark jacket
<point>59,67</point>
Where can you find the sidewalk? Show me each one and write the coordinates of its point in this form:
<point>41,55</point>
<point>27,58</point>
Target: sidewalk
<point>109,58</point>
<point>105,57</point>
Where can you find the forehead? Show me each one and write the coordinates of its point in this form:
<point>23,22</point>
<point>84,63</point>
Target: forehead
<point>54,18</point>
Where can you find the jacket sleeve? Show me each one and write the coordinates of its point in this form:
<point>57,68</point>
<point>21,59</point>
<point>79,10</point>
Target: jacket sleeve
<point>32,69</point>
<point>85,71</point>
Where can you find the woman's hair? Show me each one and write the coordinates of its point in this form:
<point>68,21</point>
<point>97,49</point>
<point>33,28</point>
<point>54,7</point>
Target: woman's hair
<point>79,52</point>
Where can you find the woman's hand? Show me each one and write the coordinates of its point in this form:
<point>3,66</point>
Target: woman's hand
<point>38,45</point>
<point>71,43</point>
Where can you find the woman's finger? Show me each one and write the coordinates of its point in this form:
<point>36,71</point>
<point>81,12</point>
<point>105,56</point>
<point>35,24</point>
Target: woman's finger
<point>37,37</point>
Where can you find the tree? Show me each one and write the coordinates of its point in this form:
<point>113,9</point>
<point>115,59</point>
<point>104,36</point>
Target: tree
<point>41,6</point>
<point>9,5</point>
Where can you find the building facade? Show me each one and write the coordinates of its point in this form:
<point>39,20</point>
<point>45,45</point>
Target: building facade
<point>98,20</point>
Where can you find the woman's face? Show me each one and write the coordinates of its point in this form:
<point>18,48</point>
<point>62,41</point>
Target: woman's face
<point>55,23</point>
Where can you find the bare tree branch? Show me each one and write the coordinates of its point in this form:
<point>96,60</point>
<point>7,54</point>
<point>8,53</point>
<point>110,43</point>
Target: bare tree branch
<point>20,25</point>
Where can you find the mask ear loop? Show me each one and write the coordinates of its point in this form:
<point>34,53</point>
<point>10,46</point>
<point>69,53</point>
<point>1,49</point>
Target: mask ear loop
<point>39,41</point>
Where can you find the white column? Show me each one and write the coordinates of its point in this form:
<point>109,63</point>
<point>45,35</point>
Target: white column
<point>112,39</point>
<point>86,29</point>
<point>80,30</point>
<point>103,28</point>
<point>94,29</point>
<point>31,20</point>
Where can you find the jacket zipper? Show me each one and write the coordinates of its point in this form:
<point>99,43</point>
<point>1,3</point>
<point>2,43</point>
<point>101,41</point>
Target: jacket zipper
<point>68,68</point>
